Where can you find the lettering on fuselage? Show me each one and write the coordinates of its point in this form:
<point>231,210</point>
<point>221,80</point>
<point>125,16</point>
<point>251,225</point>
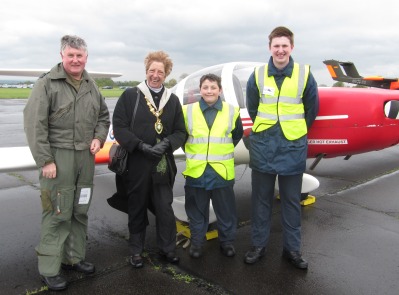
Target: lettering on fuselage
<point>327,141</point>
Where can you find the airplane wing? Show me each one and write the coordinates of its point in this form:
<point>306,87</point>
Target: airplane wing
<point>38,72</point>
<point>14,159</point>
<point>347,72</point>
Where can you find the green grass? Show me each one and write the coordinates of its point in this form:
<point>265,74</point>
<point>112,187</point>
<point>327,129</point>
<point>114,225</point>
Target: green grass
<point>25,92</point>
<point>14,92</point>
<point>116,92</point>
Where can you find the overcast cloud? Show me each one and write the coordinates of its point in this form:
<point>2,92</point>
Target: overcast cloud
<point>198,34</point>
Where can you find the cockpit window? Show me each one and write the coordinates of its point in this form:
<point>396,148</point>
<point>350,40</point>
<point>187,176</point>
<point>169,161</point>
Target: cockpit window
<point>191,88</point>
<point>391,109</point>
<point>234,82</point>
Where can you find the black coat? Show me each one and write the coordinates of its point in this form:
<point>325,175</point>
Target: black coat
<point>140,168</point>
<point>172,120</point>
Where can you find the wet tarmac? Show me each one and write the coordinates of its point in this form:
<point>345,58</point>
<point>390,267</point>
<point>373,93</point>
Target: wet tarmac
<point>350,237</point>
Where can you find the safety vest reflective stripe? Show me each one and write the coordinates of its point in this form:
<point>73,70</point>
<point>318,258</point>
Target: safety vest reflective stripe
<point>190,118</point>
<point>210,157</point>
<point>210,139</point>
<point>281,117</point>
<point>281,99</point>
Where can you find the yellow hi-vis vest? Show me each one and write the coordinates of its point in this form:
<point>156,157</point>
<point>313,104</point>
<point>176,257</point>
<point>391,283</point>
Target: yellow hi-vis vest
<point>215,146</point>
<point>286,105</point>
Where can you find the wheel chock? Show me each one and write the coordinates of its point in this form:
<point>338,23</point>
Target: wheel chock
<point>184,229</point>
<point>309,200</point>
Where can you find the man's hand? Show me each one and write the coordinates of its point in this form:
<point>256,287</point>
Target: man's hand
<point>95,146</point>
<point>49,170</point>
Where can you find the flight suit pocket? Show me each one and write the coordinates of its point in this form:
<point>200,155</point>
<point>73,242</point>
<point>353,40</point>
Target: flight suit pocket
<point>84,194</point>
<point>83,199</point>
<point>64,200</point>
<point>45,196</point>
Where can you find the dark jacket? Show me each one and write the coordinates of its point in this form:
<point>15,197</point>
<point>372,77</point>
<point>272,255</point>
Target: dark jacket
<point>173,129</point>
<point>141,169</point>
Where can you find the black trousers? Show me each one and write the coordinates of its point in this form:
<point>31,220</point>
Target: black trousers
<point>159,198</point>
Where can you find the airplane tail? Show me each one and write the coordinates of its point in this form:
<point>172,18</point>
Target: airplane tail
<point>335,68</point>
<point>347,72</point>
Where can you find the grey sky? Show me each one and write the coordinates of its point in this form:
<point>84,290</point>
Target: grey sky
<point>198,34</point>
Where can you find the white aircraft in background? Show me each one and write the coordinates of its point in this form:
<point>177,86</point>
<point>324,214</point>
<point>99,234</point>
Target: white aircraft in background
<point>38,72</point>
<point>234,77</point>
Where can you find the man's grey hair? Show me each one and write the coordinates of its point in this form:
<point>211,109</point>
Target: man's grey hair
<point>74,42</point>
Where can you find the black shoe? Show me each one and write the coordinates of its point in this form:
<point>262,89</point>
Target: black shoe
<point>228,250</point>
<point>295,258</point>
<point>195,251</point>
<point>170,257</point>
<point>254,255</point>
<point>136,261</point>
<point>55,283</point>
<point>82,266</point>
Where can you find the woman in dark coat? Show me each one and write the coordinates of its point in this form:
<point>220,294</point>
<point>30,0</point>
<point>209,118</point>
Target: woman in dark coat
<point>158,131</point>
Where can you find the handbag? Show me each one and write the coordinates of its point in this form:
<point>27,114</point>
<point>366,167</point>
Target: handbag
<point>117,161</point>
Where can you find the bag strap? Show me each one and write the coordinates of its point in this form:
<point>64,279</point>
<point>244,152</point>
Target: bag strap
<point>135,109</point>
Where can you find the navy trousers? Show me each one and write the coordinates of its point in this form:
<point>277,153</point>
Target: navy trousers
<point>197,209</point>
<point>262,205</point>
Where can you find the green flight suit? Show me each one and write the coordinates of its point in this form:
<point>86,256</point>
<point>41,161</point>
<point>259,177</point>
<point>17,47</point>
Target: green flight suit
<point>65,201</point>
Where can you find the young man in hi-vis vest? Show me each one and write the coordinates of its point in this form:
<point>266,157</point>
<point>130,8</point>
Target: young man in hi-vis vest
<point>282,101</point>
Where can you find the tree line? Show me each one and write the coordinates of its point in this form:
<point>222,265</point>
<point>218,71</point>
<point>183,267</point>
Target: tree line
<point>101,82</point>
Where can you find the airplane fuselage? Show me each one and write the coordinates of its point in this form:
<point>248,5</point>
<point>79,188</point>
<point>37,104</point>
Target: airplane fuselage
<point>353,121</point>
<point>350,121</point>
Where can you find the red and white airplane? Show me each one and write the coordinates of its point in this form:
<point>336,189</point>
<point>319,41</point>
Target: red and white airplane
<point>350,121</point>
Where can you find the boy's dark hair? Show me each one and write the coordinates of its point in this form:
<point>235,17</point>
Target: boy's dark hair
<point>213,78</point>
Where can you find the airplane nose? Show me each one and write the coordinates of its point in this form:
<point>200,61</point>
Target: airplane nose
<point>391,109</point>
